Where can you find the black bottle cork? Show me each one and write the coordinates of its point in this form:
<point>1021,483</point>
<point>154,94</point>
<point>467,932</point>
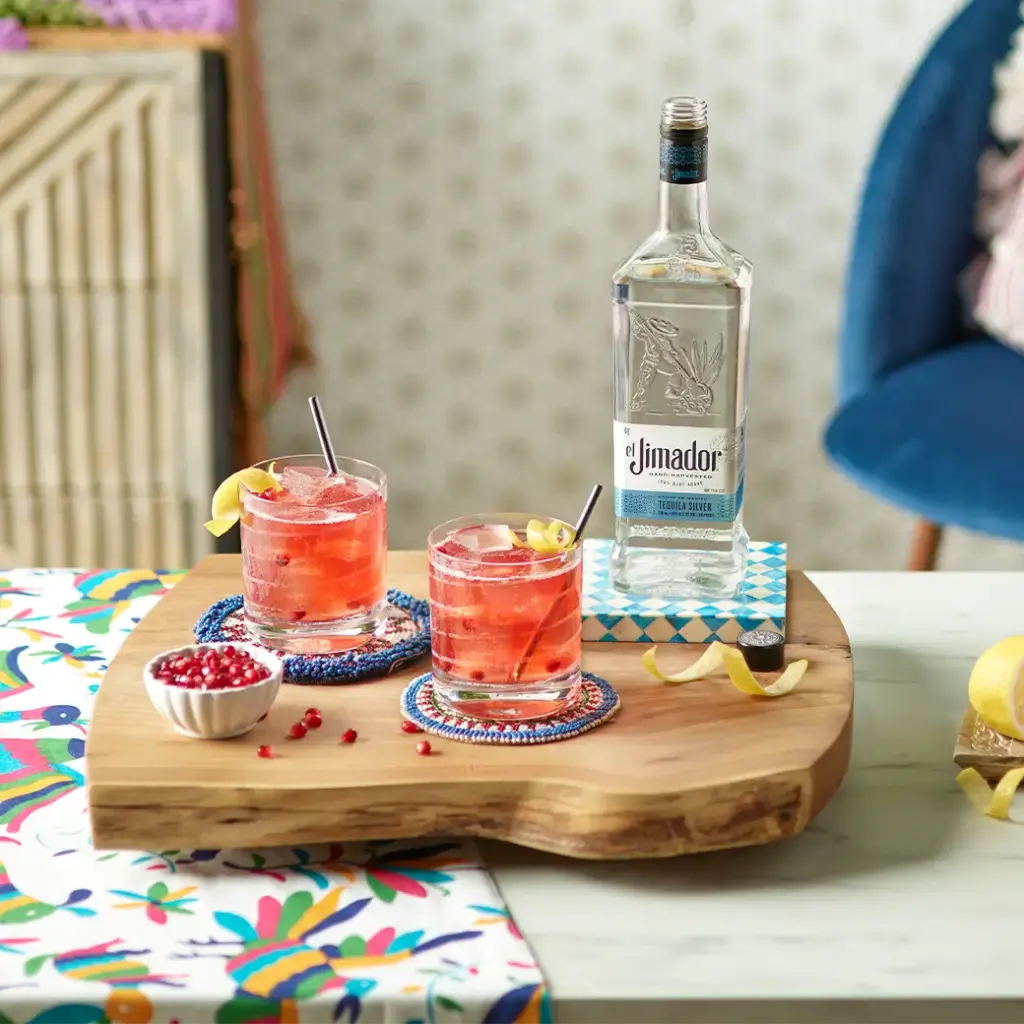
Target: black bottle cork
<point>763,649</point>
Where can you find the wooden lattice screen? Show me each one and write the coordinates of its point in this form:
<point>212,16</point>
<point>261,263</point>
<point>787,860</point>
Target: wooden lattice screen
<point>116,342</point>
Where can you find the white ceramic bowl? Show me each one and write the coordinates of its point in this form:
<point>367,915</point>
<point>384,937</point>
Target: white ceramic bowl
<point>214,714</point>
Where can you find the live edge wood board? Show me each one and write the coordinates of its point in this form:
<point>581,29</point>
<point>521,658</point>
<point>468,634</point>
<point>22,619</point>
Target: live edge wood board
<point>679,770</point>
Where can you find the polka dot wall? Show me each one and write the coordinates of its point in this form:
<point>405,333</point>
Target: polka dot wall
<point>461,177</point>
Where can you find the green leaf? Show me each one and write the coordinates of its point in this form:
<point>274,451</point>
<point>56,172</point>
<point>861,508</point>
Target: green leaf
<point>34,966</point>
<point>354,945</point>
<point>380,890</point>
<point>449,1004</point>
<point>157,891</point>
<point>294,907</point>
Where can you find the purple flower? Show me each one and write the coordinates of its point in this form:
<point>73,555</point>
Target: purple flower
<point>167,15</point>
<point>12,35</point>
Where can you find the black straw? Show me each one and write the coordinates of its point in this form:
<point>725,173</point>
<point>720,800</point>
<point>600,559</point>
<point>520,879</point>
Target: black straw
<point>581,523</point>
<point>321,432</point>
<point>534,640</point>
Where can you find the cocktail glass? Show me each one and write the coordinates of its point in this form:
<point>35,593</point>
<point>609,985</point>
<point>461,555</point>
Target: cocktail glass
<point>505,619</point>
<point>314,554</point>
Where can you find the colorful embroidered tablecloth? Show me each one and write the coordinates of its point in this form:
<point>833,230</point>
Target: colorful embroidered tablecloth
<point>371,932</point>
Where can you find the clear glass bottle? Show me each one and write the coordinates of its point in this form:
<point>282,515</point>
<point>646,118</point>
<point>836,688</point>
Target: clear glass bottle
<point>681,320</point>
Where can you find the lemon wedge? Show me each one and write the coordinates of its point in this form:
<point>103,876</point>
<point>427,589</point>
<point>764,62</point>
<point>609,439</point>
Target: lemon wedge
<point>735,664</point>
<point>993,802</point>
<point>996,687</point>
<point>226,506</point>
<point>548,538</point>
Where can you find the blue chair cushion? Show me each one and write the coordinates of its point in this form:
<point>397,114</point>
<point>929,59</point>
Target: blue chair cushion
<point>943,437</point>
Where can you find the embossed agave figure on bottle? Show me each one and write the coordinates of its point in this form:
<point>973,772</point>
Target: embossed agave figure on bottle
<point>681,324</point>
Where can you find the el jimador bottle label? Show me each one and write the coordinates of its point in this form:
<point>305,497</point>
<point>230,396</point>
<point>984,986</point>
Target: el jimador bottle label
<point>677,472</point>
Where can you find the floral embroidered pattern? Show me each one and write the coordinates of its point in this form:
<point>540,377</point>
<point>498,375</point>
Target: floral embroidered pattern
<point>236,937</point>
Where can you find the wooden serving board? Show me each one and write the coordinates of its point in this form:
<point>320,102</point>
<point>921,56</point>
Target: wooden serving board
<point>679,770</point>
<point>980,746</point>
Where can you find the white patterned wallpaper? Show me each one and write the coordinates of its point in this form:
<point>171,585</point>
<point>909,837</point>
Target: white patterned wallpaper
<point>460,178</point>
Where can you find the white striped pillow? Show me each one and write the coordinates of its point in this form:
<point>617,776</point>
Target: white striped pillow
<point>996,279</point>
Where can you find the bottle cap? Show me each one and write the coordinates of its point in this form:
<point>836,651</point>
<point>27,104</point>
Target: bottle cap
<point>763,649</point>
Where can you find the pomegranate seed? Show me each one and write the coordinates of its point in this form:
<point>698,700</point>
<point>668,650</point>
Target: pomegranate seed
<point>410,727</point>
<point>268,495</point>
<point>282,559</point>
<point>313,711</point>
<point>553,665</point>
<point>210,669</point>
<point>264,751</point>
<point>423,748</point>
<point>298,616</point>
<point>477,675</point>
<point>349,736</point>
<point>313,721</point>
<point>297,731</point>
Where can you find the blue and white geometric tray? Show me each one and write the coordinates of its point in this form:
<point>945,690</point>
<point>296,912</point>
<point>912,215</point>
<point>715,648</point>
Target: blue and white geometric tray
<point>613,616</point>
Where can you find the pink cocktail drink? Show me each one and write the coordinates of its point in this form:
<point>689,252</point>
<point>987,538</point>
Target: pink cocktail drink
<point>314,554</point>
<point>505,620</point>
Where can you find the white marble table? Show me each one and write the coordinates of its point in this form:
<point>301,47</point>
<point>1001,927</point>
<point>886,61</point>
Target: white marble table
<point>898,903</point>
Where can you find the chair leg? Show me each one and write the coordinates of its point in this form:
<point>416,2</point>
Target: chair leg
<point>924,548</point>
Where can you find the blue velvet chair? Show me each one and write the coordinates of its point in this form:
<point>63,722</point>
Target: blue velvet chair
<point>931,415</point>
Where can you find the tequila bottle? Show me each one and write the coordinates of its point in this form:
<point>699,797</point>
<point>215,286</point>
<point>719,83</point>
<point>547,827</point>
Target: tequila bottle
<point>681,320</point>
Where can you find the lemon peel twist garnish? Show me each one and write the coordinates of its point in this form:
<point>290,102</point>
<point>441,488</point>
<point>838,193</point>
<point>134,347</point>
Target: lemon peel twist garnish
<point>547,538</point>
<point>993,802</point>
<point>226,506</point>
<point>735,664</point>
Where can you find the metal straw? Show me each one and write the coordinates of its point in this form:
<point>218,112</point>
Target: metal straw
<point>321,432</point>
<point>585,514</point>
<point>581,523</point>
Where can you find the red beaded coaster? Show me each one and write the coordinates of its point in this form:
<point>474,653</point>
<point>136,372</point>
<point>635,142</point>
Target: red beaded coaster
<point>597,703</point>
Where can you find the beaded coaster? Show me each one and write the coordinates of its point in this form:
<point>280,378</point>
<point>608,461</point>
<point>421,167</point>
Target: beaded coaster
<point>406,637</point>
<point>596,703</point>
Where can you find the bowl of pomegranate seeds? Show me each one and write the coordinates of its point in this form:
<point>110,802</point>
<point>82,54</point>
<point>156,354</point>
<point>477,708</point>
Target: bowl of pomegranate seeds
<point>213,691</point>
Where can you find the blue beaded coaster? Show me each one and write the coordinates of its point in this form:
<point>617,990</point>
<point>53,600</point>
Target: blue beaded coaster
<point>596,703</point>
<point>406,636</point>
